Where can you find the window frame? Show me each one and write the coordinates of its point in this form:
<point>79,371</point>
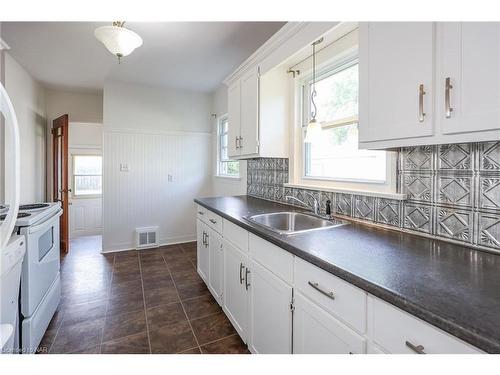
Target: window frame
<point>74,175</point>
<point>302,113</point>
<point>224,118</point>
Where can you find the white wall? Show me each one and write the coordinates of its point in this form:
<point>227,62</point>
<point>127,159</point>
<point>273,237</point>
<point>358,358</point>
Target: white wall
<point>155,133</point>
<point>28,99</point>
<point>224,186</point>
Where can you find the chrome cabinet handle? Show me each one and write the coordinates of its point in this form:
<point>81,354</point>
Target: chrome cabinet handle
<point>241,276</point>
<point>419,349</point>
<point>203,241</point>
<point>240,142</point>
<point>213,221</point>
<point>421,113</point>
<point>247,284</point>
<point>321,290</point>
<point>236,142</point>
<point>208,240</point>
<point>201,212</point>
<point>447,106</point>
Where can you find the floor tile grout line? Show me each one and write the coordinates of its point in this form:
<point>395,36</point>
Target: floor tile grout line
<point>107,303</point>
<point>219,339</point>
<point>182,305</point>
<point>145,307</point>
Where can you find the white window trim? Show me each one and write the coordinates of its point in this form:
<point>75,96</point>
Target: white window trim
<point>218,161</point>
<point>387,189</point>
<point>73,177</point>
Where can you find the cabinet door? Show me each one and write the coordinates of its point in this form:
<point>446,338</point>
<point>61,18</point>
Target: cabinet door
<point>216,265</point>
<point>317,332</point>
<point>270,312</point>
<point>394,60</point>
<point>202,249</point>
<point>235,303</point>
<point>234,117</point>
<point>469,55</point>
<point>249,113</point>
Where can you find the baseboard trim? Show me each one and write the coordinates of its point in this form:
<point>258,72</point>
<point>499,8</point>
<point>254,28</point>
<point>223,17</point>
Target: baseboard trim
<point>163,242</point>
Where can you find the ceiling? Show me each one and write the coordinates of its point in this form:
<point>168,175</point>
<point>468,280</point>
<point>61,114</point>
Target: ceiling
<point>186,55</point>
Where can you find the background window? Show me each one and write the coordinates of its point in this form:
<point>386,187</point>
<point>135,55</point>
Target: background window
<point>87,175</point>
<point>226,167</point>
<point>335,155</point>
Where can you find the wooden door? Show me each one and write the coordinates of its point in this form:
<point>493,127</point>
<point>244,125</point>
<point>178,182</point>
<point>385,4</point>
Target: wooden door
<point>270,313</point>
<point>249,113</point>
<point>234,117</point>
<point>216,265</point>
<point>396,63</point>
<point>235,295</point>
<point>60,127</point>
<point>469,57</point>
<point>202,249</point>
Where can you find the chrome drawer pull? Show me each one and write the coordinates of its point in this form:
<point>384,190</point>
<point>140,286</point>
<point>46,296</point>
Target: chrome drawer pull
<point>213,221</point>
<point>421,113</point>
<point>419,349</point>
<point>201,212</point>
<point>247,284</point>
<point>447,105</point>
<point>321,290</point>
<point>241,276</point>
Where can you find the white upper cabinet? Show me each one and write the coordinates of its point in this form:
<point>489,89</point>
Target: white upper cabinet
<point>461,105</point>
<point>396,80</point>
<point>258,114</point>
<point>468,76</point>
<point>249,130</point>
<point>234,116</point>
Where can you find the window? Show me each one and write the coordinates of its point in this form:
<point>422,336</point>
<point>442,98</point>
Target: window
<point>87,175</point>
<point>335,155</point>
<point>226,167</point>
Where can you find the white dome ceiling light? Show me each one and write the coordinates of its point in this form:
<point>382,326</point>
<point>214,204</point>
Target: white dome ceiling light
<point>119,40</point>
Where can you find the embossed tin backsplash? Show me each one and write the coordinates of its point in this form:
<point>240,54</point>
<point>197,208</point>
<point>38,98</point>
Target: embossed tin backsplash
<point>453,192</point>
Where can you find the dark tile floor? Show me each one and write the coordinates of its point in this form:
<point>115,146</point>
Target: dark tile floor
<point>149,301</point>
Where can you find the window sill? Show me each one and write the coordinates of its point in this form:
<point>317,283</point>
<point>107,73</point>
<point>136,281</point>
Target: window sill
<point>234,178</point>
<point>368,193</point>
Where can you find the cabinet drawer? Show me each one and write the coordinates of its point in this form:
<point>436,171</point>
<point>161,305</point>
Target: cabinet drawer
<point>346,302</point>
<point>202,213</point>
<point>214,222</point>
<point>274,258</point>
<point>396,331</point>
<point>237,235</point>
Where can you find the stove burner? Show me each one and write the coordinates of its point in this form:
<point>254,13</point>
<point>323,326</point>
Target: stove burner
<point>19,215</point>
<point>33,206</point>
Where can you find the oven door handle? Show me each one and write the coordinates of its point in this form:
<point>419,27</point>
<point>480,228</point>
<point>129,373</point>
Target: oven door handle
<point>45,225</point>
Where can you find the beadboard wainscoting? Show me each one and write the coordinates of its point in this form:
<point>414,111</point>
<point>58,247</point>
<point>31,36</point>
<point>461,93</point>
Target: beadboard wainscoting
<point>453,192</point>
<point>145,195</point>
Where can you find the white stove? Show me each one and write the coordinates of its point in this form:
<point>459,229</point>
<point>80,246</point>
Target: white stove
<point>40,278</point>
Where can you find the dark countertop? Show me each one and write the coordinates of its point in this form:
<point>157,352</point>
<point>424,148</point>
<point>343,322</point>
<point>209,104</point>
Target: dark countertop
<point>452,287</point>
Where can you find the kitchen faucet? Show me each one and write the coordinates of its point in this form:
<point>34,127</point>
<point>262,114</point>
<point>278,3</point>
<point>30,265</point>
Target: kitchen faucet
<point>315,205</point>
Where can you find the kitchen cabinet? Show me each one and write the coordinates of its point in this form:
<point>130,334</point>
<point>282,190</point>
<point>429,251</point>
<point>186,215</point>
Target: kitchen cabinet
<point>235,301</point>
<point>401,104</point>
<point>202,253</point>
<point>468,72</point>
<point>216,264</point>
<point>258,110</point>
<point>317,332</point>
<point>396,80</point>
<point>270,312</point>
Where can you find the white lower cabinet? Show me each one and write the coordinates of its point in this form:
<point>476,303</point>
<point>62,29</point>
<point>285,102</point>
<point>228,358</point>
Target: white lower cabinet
<point>317,332</point>
<point>270,312</point>
<point>235,294</point>
<point>216,264</point>
<point>202,253</point>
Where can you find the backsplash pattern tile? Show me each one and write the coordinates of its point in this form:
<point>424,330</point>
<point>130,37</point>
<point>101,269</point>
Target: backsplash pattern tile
<point>453,192</point>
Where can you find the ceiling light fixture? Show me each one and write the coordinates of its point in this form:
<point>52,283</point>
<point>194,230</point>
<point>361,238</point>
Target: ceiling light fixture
<point>119,40</point>
<point>313,131</point>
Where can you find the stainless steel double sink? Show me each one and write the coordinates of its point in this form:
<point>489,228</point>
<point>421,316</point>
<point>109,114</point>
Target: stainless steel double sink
<point>294,222</point>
